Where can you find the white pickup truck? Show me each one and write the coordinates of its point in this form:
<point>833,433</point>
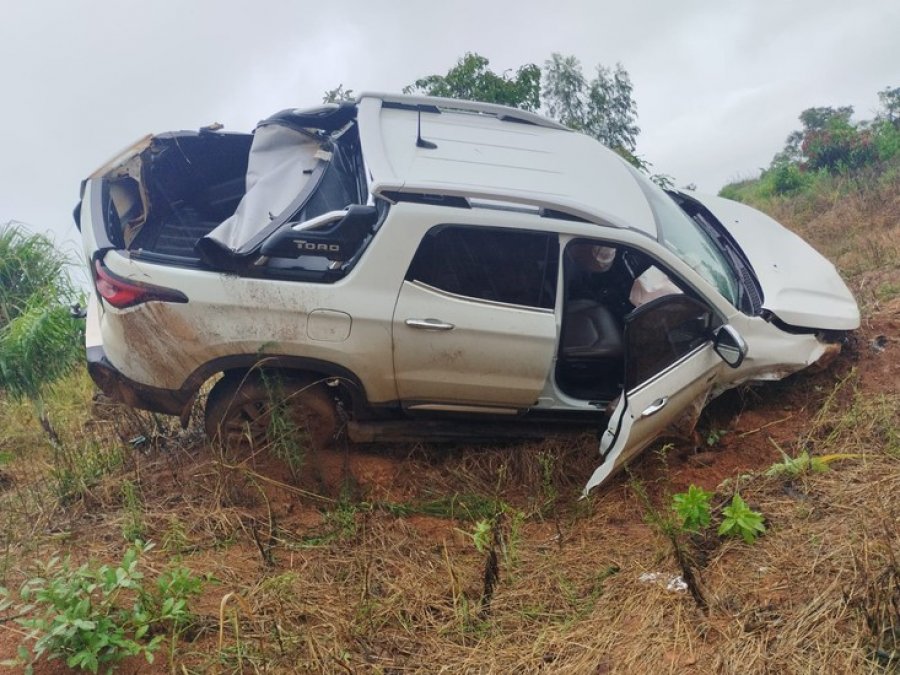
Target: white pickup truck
<point>436,269</point>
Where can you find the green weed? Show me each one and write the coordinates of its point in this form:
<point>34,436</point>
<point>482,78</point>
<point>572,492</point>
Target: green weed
<point>792,467</point>
<point>692,508</point>
<point>741,521</point>
<point>93,617</point>
<point>133,523</point>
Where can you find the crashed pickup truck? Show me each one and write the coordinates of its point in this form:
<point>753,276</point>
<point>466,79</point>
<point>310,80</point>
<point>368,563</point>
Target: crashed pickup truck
<point>422,268</point>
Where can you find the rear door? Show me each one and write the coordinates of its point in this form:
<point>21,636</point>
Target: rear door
<point>474,325</point>
<point>670,368</point>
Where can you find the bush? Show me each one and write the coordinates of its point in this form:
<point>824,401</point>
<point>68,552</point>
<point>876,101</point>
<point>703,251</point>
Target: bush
<point>35,291</point>
<point>886,139</point>
<point>839,147</point>
<point>93,616</point>
<point>788,178</point>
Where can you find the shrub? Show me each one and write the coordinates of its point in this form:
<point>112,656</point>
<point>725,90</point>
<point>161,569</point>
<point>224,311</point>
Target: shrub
<point>35,321</point>
<point>886,138</point>
<point>839,147</point>
<point>788,178</point>
<point>97,616</point>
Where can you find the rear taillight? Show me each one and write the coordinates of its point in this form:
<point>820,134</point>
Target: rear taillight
<point>122,293</point>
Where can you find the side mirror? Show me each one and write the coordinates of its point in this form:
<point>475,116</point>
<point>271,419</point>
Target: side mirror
<point>730,346</point>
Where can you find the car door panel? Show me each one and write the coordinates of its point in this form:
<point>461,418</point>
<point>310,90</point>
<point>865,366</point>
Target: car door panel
<point>454,349</point>
<point>671,367</point>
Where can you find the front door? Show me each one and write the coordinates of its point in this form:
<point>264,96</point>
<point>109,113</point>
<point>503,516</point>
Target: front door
<point>670,367</point>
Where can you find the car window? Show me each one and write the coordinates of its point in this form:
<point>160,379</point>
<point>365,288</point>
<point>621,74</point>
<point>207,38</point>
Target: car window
<point>681,235</point>
<point>501,265</point>
<point>661,332</point>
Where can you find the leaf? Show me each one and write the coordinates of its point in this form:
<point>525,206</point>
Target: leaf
<point>741,520</point>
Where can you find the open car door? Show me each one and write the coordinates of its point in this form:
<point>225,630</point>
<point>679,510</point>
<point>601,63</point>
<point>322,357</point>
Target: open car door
<point>671,364</point>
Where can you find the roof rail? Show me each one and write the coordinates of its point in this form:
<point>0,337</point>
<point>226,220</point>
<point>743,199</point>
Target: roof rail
<point>500,111</point>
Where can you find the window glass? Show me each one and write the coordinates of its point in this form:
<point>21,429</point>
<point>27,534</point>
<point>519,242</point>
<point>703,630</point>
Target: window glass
<point>680,234</point>
<point>661,332</point>
<point>510,266</point>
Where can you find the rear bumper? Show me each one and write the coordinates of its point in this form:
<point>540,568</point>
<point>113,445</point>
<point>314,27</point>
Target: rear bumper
<point>120,388</point>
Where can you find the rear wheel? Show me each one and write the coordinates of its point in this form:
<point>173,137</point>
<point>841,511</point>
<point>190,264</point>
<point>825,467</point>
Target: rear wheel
<point>256,410</point>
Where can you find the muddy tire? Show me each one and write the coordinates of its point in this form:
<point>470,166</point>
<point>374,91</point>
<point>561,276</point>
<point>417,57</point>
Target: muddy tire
<point>245,413</point>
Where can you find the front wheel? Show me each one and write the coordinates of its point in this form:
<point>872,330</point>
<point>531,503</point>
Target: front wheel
<point>259,410</point>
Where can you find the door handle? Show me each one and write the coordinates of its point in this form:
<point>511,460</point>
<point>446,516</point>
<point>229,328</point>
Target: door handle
<point>429,324</point>
<point>655,407</point>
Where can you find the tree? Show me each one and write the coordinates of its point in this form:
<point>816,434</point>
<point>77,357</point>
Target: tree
<point>338,95</point>
<point>471,79</point>
<point>603,107</point>
<point>828,140</point>
<point>819,118</point>
<point>890,105</point>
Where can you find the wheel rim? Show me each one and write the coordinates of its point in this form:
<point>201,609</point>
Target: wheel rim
<point>253,426</point>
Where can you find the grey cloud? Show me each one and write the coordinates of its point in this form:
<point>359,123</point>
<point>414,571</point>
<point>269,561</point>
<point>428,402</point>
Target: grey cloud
<point>718,84</point>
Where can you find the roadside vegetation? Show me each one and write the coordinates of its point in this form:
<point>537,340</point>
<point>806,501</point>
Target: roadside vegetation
<point>766,543</point>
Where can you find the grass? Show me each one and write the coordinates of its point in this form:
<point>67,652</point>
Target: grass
<point>379,571</point>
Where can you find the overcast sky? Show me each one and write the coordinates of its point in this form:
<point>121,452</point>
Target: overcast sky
<point>718,84</point>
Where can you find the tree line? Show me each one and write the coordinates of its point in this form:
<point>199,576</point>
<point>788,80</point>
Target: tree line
<point>600,104</point>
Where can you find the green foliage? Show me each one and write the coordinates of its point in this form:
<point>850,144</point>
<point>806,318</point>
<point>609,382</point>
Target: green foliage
<point>713,436</point>
<point>34,318</point>
<point>692,508</point>
<point>482,535</point>
<point>839,146</point>
<point>741,521</point>
<point>458,506</point>
<point>79,466</point>
<point>97,616</point>
<point>40,329</point>
<point>889,97</point>
<point>472,80</point>
<point>338,95</point>
<point>29,266</point>
<point>886,140</point>
<point>602,107</point>
<point>791,467</point>
<point>786,179</point>
<point>133,523</point>
<point>829,143</point>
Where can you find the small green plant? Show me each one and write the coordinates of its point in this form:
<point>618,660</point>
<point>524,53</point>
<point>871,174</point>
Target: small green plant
<point>133,524</point>
<point>95,617</point>
<point>547,462</point>
<point>340,523</point>
<point>667,525</point>
<point>741,521</point>
<point>791,467</point>
<point>692,508</point>
<point>175,539</point>
<point>713,436</point>
<point>481,535</point>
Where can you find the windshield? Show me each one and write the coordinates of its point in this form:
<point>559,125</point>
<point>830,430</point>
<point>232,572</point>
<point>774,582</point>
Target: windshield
<point>683,236</point>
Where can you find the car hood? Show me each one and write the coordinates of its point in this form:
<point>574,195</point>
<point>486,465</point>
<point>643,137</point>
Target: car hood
<point>800,286</point>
